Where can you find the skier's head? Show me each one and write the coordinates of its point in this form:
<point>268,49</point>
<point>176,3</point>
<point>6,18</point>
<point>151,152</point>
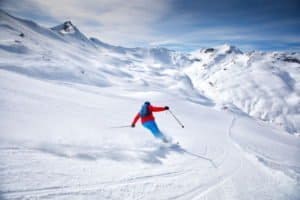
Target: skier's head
<point>147,103</point>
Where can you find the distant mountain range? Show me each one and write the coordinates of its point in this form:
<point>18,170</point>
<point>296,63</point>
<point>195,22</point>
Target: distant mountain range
<point>264,85</point>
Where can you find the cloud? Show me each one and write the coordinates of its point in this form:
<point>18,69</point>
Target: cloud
<point>115,21</point>
<point>254,35</point>
<point>176,24</point>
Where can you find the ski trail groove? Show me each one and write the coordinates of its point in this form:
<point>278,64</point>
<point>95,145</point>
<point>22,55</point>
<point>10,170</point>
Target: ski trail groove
<point>222,180</point>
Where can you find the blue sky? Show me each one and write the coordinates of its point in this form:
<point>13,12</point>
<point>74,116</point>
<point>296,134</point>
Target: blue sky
<point>177,24</point>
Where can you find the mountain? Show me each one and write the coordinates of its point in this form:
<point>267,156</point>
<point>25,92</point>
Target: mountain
<point>225,74</point>
<point>67,102</point>
<point>71,32</point>
<point>263,85</point>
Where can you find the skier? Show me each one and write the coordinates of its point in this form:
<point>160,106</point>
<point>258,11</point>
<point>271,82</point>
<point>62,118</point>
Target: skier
<point>148,121</point>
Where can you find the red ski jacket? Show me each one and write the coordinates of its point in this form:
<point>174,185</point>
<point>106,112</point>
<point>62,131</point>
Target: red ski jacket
<point>150,116</point>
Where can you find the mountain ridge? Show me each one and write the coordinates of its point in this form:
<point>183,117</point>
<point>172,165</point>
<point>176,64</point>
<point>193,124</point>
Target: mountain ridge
<point>264,85</point>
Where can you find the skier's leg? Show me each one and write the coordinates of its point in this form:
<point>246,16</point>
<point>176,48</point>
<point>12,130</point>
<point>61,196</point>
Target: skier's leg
<point>151,125</point>
<point>157,133</point>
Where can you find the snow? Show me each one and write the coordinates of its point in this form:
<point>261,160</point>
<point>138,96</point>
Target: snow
<point>61,99</point>
<point>262,85</point>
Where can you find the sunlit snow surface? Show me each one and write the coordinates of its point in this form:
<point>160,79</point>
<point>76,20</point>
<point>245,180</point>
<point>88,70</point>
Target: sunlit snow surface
<point>62,95</point>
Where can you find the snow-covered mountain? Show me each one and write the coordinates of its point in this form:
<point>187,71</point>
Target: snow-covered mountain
<point>62,95</point>
<point>263,85</point>
<point>71,32</point>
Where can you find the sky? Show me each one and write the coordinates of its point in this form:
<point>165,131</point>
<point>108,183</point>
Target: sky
<point>185,25</point>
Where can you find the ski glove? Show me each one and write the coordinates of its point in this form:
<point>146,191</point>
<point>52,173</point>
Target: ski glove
<point>132,125</point>
<point>167,107</point>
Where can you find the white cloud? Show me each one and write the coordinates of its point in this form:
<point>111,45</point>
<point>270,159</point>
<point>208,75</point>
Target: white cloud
<point>136,22</point>
<point>209,36</point>
<point>115,21</point>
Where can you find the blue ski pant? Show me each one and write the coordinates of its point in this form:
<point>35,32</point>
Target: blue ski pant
<point>151,125</point>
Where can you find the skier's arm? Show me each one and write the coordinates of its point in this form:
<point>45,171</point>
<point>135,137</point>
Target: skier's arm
<point>158,109</point>
<point>136,118</point>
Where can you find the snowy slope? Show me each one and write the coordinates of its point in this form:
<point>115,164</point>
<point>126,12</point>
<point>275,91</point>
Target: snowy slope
<point>62,94</point>
<point>59,145</point>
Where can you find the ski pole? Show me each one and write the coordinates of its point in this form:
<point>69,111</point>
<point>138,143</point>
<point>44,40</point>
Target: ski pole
<point>125,126</point>
<point>176,119</point>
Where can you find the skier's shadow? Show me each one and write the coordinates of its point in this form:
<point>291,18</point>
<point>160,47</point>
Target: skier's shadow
<point>158,154</point>
<point>154,155</point>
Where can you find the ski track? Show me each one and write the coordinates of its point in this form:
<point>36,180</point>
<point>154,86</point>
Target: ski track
<point>260,158</point>
<point>230,161</point>
<point>90,188</point>
<point>224,181</point>
<point>74,189</point>
<point>196,192</point>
